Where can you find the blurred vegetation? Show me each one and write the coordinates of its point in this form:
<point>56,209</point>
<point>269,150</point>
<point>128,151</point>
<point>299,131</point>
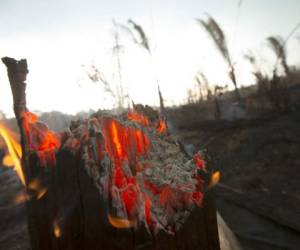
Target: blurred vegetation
<point>219,38</point>
<point>274,92</point>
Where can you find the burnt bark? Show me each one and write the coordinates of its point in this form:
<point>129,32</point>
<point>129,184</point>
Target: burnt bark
<point>73,204</point>
<point>17,72</point>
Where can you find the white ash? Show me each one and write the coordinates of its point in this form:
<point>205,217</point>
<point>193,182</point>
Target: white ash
<point>166,165</point>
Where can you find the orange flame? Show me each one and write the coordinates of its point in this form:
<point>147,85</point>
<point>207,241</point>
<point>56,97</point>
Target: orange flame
<point>7,161</point>
<point>116,138</point>
<point>121,141</point>
<point>28,118</point>
<point>37,187</point>
<point>138,118</point>
<point>121,223</point>
<point>34,185</point>
<point>215,178</point>
<point>50,141</point>
<point>31,117</point>
<point>14,152</point>
<point>161,127</point>
<point>40,138</point>
<point>47,139</point>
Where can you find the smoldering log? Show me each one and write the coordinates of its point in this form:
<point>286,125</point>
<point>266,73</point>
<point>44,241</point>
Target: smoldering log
<point>72,214</point>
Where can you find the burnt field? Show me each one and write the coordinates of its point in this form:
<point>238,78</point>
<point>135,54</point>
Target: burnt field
<point>259,192</point>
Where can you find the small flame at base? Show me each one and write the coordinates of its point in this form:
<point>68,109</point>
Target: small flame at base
<point>13,159</point>
<point>214,180</point>
<point>21,197</point>
<point>36,186</point>
<point>56,229</point>
<point>138,118</point>
<point>121,223</point>
<point>161,127</point>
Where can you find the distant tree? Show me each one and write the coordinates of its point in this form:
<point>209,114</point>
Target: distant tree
<point>217,35</point>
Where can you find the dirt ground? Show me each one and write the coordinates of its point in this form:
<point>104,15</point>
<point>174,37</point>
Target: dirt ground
<point>259,192</point>
<point>13,225</point>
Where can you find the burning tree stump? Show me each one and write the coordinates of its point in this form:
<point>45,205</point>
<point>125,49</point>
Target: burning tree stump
<point>111,182</point>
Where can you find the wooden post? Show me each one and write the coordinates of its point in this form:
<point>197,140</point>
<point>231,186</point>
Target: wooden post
<point>71,216</point>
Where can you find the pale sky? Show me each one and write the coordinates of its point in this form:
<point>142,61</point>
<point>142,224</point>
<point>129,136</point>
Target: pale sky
<point>57,37</point>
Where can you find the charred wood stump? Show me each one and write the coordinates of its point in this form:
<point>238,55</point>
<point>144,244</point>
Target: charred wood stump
<point>111,183</point>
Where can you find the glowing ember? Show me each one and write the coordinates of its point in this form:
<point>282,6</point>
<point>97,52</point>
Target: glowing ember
<point>39,138</point>
<point>137,166</point>
<point>161,127</point>
<point>146,178</point>
<point>199,161</point>
<point>56,229</point>
<point>50,142</point>
<point>147,209</point>
<point>138,118</point>
<point>14,152</point>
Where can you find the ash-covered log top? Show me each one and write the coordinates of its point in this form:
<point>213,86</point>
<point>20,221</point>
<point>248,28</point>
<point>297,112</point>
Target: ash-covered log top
<point>111,182</point>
